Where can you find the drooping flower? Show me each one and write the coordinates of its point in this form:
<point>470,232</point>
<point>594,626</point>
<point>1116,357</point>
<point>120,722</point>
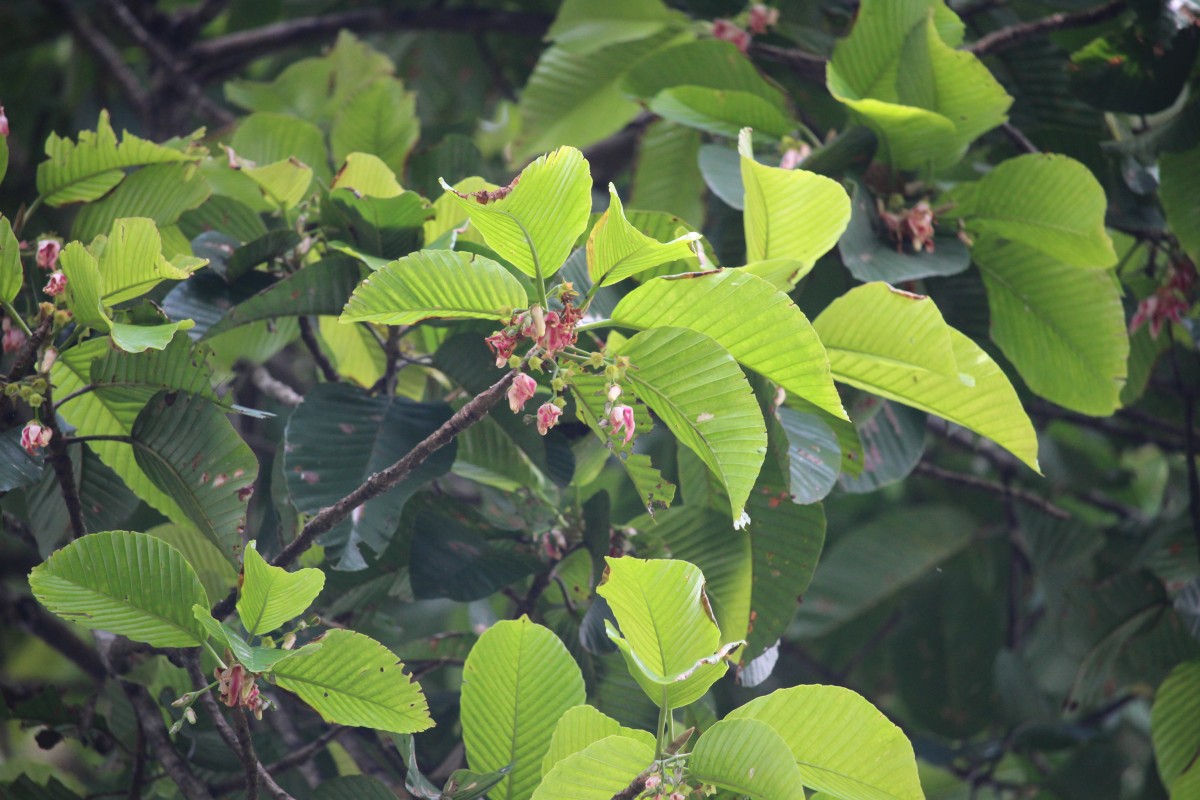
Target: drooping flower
<point>520,392</point>
<point>793,156</point>
<point>34,437</point>
<point>502,344</point>
<point>547,417</point>
<point>3,122</point>
<point>725,30</point>
<point>56,285</point>
<point>919,227</point>
<point>236,687</point>
<point>1169,303</point>
<point>761,18</point>
<point>621,418</point>
<point>653,782</point>
<point>47,253</point>
<point>13,337</point>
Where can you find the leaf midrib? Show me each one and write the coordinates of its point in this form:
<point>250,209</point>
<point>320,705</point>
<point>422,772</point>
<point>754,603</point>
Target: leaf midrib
<point>123,602</point>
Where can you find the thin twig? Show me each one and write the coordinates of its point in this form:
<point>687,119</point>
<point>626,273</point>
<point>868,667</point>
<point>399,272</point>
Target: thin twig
<point>64,472</point>
<point>150,716</point>
<point>328,517</point>
<point>962,479</point>
<point>1014,35</point>
<point>309,337</point>
<point>1018,138</point>
<point>808,67</point>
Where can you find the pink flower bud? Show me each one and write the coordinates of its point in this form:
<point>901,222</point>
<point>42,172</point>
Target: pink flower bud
<point>761,18</point>
<point>34,437</point>
<point>48,359</point>
<point>56,285</point>
<point>725,30</point>
<point>3,122</point>
<point>794,156</point>
<point>520,391</point>
<point>653,781</point>
<point>547,417</point>
<point>621,418</point>
<point>614,392</point>
<point>47,253</point>
<point>677,796</point>
<point>13,337</point>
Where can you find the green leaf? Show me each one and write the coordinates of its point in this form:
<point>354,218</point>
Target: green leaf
<point>597,772</point>
<point>368,176</point>
<point>320,289</point>
<point>697,389</point>
<point>583,726</point>
<point>457,562</point>
<point>960,383</point>
<point>380,119</point>
<point>270,596</point>
<point>254,659</point>
<point>1181,199</point>
<point>285,183</point>
<point>85,171</point>
<point>892,440</point>
<point>162,193</point>
<point>617,250</point>
<point>463,784</point>
<point>354,680</point>
<point>706,63</point>
<point>875,561</point>
<point>12,274</point>
<point>437,284</point>
<point>667,176</point>
<point>812,451</point>
<point>775,340</point>
<point>1175,724</point>
<point>139,338</point>
<point>387,227</point>
<point>1063,328</point>
<point>125,583</point>
<point>187,448</point>
<point>1050,202</point>
<point>537,218</point>
<point>84,287</point>
<point>261,250</point>
<point>266,137</point>
<point>132,263</point>
<point>789,213</point>
<point>212,566</point>
<point>668,635</point>
<point>584,27</point>
<point>828,729</point>
<point>720,111</point>
<point>747,757</point>
<point>518,681</point>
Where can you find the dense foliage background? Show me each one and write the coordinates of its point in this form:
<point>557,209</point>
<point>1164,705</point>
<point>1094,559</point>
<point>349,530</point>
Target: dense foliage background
<point>1016,626</point>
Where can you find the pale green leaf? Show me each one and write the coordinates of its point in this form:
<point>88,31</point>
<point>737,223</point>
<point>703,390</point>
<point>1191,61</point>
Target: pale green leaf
<point>537,218</point>
<point>584,26</point>
<point>1175,724</point>
<point>285,182</point>
<point>84,287</point>
<point>667,176</point>
<point>368,176</point>
<point>437,284</point>
<point>12,274</point>
<point>776,340</point>
<point>583,726</point>
<point>187,448</point>
<point>125,583</point>
<point>354,680</point>
<point>597,772</point>
<point>139,338</point>
<point>271,596</point>
<point>697,389</point>
<point>448,215</point>
<point>254,659</point>
<point>828,730</point>
<point>669,637</point>
<point>861,353</point>
<point>747,757</point>
<point>214,569</point>
<point>161,192</point>
<point>1050,202</point>
<point>789,213</point>
<point>723,112</point>
<point>518,681</point>
<point>132,263</point>
<point>267,137</point>
<point>1063,328</point>
<point>617,250</point>
<point>78,172</point>
<point>380,119</point>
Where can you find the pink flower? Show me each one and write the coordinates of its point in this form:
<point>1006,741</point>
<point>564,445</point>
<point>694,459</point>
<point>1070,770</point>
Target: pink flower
<point>1169,303</point>
<point>3,122</point>
<point>621,418</point>
<point>502,344</point>
<point>237,687</point>
<point>34,437</point>
<point>47,253</point>
<point>14,337</point>
<point>48,359</point>
<point>919,226</point>
<point>56,285</point>
<point>725,30</point>
<point>547,417</point>
<point>520,392</point>
<point>761,18</point>
<point>653,782</point>
<point>793,156</point>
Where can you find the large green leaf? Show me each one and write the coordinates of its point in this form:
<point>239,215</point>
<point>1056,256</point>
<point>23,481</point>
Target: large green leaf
<point>1175,724</point>
<point>617,250</point>
<point>266,137</point>
<point>1050,202</point>
<point>384,227</point>
<point>1063,328</point>
<point>828,730</point>
<point>959,383</point>
<point>667,176</point>
<point>584,27</point>
<point>187,448</point>
<point>599,771</point>
<point>668,635</point>
<point>877,560</point>
<point>213,568</point>
<point>367,175</point>
<point>379,119</point>
<point>708,63</point>
<point>697,389</point>
<point>161,192</point>
<point>132,262</point>
<point>583,726</point>
<point>84,171</point>
<point>254,659</point>
<point>284,183</point>
<point>354,680</point>
<point>775,340</point>
<point>125,583</point>
<point>747,757</point>
<point>536,219</point>
<point>791,214</point>
<point>1181,199</point>
<point>12,275</point>
<point>518,681</point>
<point>270,596</point>
<point>320,289</point>
<point>439,284</point>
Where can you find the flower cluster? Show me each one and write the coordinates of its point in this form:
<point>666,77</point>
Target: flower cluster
<point>1169,303</point>
<point>913,225</point>
<point>759,19</point>
<point>551,331</point>
<point>237,687</point>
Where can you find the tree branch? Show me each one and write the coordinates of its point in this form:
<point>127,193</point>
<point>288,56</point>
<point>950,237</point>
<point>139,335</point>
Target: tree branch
<point>107,53</point>
<point>227,54</point>
<point>309,337</point>
<point>1014,35</point>
<point>150,717</point>
<point>1030,499</point>
<point>325,519</point>
<point>28,615</point>
<point>638,784</point>
<point>274,388</point>
<point>60,461</point>
<point>808,67</point>
<point>292,759</point>
<point>245,751</point>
